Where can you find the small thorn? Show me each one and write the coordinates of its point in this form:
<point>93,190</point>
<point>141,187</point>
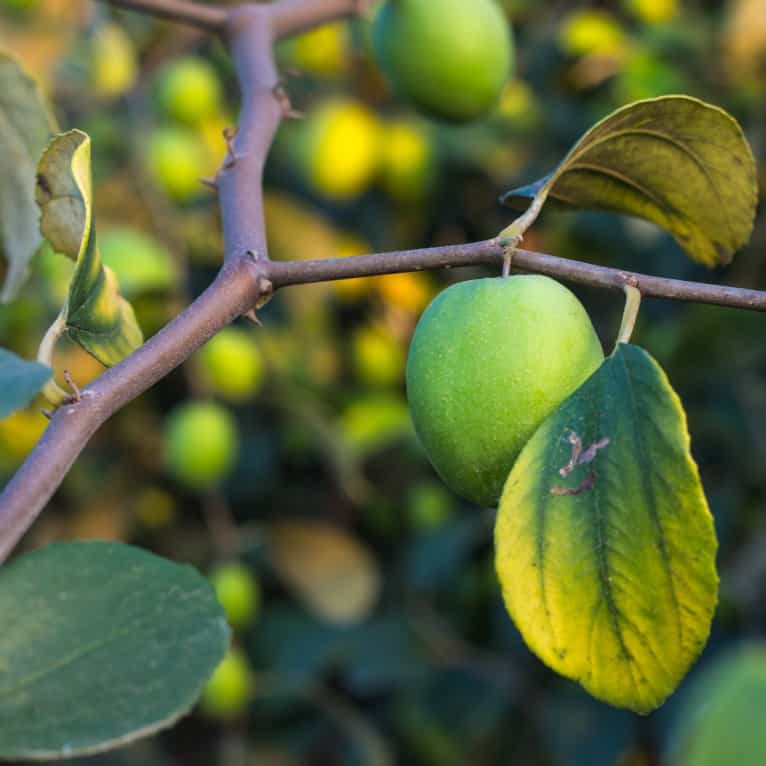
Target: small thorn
<point>229,134</point>
<point>284,102</point>
<point>211,182</point>
<point>76,395</point>
<point>253,317</point>
<point>48,413</point>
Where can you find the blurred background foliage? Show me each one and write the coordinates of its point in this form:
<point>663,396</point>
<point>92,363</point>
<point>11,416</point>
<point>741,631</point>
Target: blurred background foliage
<point>369,627</point>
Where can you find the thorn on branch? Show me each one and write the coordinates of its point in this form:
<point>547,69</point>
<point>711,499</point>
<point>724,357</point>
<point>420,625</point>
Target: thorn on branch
<point>48,413</point>
<point>283,99</point>
<point>229,134</point>
<point>75,396</point>
<point>210,182</point>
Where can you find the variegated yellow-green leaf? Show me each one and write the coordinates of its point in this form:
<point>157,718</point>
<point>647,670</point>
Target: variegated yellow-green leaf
<point>676,161</point>
<point>605,546</point>
<point>25,128</point>
<point>96,315</point>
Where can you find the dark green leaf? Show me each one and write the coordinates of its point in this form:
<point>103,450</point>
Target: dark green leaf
<point>673,160</point>
<point>96,315</point>
<point>19,381</point>
<point>102,644</point>
<point>605,545</point>
<point>25,128</point>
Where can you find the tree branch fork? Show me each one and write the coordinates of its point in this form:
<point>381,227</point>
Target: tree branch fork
<point>248,278</point>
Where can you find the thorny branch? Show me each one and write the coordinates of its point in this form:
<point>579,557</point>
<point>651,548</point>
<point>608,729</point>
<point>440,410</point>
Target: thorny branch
<point>248,278</point>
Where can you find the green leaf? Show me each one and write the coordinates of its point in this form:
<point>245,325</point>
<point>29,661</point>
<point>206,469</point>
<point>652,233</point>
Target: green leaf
<point>605,546</point>
<point>96,315</point>
<point>722,719</point>
<point>673,160</point>
<point>19,381</point>
<point>102,643</point>
<point>25,128</point>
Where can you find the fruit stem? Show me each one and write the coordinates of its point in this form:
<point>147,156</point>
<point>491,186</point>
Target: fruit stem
<point>630,313</point>
<point>51,390</point>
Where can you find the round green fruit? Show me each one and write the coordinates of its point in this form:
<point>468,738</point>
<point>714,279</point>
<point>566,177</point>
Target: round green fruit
<point>201,443</point>
<point>489,361</point>
<point>230,689</point>
<point>190,90</point>
<point>238,593</point>
<point>177,160</point>
<point>232,364</point>
<point>451,58</point>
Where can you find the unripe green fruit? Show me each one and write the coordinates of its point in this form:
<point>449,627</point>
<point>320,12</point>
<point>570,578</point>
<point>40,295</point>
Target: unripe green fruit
<point>489,361</point>
<point>232,365</point>
<point>230,689</point>
<point>177,160</point>
<point>190,90</point>
<point>449,57</point>
<point>201,444</point>
<point>238,593</point>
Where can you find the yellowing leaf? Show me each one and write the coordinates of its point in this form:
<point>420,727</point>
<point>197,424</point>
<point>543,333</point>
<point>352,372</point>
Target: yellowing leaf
<point>25,128</point>
<point>605,546</point>
<point>673,160</point>
<point>96,316</point>
<point>335,577</point>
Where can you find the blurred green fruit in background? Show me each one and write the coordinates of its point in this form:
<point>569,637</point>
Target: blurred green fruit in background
<point>377,357</point>
<point>591,31</point>
<point>141,263</point>
<point>653,11</point>
<point>238,592</point>
<point>321,52</point>
<point>232,365</point>
<point>201,443</point>
<point>113,64</point>
<point>230,689</point>
<point>489,361</point>
<point>407,160</point>
<point>339,149</point>
<point>176,160</point>
<point>428,505</point>
<point>448,57</point>
<point>189,90</point>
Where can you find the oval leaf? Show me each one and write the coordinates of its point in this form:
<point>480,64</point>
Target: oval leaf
<point>25,129</point>
<point>605,546</point>
<point>19,381</point>
<point>676,161</point>
<point>96,315</point>
<point>722,720</point>
<point>102,643</point>
<point>333,574</point>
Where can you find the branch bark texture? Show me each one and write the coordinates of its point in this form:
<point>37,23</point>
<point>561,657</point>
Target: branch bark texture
<point>248,277</point>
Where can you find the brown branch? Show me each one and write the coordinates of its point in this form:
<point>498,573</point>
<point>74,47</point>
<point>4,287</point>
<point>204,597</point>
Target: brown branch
<point>490,253</point>
<point>244,281</point>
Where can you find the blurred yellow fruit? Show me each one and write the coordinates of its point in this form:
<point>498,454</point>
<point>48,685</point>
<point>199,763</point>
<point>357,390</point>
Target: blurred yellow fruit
<point>190,91</point>
<point>177,160</point>
<point>232,365</point>
<point>377,357</point>
<point>341,149</point>
<point>201,444</point>
<point>592,31</point>
<point>113,65</point>
<point>322,52</point>
<point>155,508</point>
<point>653,11</point>
<point>230,689</point>
<point>411,292</point>
<point>407,161</point>
<point>211,132</point>
<point>238,592</point>
<point>519,105</point>
<point>18,435</point>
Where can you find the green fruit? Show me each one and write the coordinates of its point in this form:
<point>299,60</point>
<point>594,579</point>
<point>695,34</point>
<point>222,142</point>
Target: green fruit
<point>230,689</point>
<point>201,444</point>
<point>232,365</point>
<point>177,160</point>
<point>140,262</point>
<point>238,592</point>
<point>429,505</point>
<point>449,57</point>
<point>489,361</point>
<point>190,90</point>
